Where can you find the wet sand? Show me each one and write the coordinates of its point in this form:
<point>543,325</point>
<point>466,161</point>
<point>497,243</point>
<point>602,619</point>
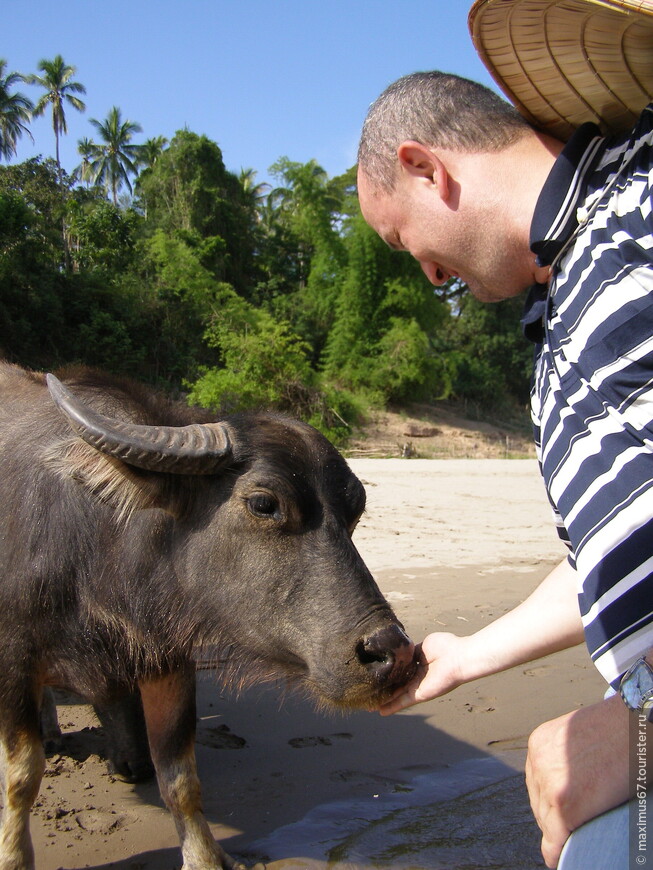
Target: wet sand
<point>453,545</point>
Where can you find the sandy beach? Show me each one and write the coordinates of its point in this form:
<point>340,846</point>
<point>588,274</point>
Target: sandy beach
<point>453,545</point>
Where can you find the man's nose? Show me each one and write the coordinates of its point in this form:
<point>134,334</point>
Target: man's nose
<point>436,274</point>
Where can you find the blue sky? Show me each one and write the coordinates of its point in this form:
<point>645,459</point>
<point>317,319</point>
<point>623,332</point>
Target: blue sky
<point>262,78</point>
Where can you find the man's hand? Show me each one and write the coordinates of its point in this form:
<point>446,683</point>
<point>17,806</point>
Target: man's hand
<point>577,768</point>
<point>438,672</point>
<point>519,636</point>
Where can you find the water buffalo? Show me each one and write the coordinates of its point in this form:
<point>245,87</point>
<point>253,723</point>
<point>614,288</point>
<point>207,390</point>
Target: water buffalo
<point>133,534</point>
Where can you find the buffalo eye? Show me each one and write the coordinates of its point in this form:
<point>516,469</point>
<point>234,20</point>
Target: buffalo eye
<point>351,528</point>
<point>262,504</point>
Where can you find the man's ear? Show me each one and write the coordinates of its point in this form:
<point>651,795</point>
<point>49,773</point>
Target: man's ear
<point>420,162</point>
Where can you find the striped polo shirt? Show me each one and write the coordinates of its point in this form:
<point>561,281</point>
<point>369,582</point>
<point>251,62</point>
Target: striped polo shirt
<point>592,394</point>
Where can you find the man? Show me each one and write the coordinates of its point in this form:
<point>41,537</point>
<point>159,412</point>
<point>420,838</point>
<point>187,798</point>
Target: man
<point>471,188</point>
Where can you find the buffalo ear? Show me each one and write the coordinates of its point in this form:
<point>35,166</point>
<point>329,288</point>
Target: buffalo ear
<point>108,479</point>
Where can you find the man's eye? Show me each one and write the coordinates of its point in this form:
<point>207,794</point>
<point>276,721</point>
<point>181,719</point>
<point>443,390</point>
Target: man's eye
<point>261,504</point>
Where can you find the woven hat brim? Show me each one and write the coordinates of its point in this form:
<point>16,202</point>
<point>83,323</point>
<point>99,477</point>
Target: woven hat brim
<point>564,62</point>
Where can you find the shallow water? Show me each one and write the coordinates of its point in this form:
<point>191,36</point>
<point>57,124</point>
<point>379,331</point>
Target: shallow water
<point>472,815</point>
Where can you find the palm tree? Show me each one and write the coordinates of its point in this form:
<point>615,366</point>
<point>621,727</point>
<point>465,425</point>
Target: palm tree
<point>253,193</point>
<point>15,111</point>
<point>115,159</point>
<point>85,150</point>
<point>60,90</point>
<point>150,151</point>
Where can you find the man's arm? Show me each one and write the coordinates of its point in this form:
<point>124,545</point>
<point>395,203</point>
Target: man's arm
<point>547,621</point>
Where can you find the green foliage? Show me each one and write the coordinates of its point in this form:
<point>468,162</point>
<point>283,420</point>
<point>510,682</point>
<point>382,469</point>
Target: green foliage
<point>36,181</point>
<point>188,194</point>
<point>301,242</point>
<point>174,267</point>
<point>102,236</point>
<point>114,159</point>
<point>104,326</point>
<point>49,316</point>
<point>264,364</point>
<point>385,317</point>
<point>60,91</point>
<point>15,111</point>
<point>488,359</point>
<point>30,286</point>
<point>354,334</point>
<point>335,412</point>
<point>406,369</point>
<point>179,295</point>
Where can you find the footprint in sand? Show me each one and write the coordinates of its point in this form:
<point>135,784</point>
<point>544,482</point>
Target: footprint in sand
<point>102,821</point>
<point>220,738</point>
<point>303,742</point>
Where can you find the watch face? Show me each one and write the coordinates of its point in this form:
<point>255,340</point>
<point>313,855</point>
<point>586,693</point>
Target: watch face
<point>630,693</point>
<point>637,687</point>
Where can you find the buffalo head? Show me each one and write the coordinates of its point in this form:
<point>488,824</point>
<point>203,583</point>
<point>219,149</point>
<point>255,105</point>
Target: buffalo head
<point>253,558</point>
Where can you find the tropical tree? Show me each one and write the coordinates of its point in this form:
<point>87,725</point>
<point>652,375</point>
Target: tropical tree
<point>386,314</point>
<point>302,250</point>
<point>189,194</point>
<point>150,151</point>
<point>116,157</point>
<point>37,181</point>
<point>255,194</point>
<point>60,90</point>
<point>304,203</point>
<point>83,171</point>
<point>15,111</point>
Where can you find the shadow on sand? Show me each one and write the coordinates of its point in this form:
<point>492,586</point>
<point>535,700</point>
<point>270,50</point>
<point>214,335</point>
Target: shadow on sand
<point>299,789</point>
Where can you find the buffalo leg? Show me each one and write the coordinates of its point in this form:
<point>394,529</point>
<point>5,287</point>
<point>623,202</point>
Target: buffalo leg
<point>23,763</point>
<point>169,708</point>
<point>121,717</point>
<point>50,730</point>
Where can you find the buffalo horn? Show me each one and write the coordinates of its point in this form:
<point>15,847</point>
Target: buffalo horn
<point>195,449</point>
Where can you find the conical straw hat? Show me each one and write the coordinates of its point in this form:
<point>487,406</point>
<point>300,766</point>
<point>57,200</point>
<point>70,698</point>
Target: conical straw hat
<point>564,62</point>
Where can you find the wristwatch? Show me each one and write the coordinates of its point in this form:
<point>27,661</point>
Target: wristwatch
<point>636,688</point>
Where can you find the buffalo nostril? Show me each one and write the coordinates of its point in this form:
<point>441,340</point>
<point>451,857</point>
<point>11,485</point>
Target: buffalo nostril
<point>370,656</point>
<point>388,653</point>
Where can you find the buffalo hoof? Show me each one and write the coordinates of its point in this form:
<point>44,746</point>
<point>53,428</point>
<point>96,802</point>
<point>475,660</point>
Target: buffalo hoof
<point>132,771</point>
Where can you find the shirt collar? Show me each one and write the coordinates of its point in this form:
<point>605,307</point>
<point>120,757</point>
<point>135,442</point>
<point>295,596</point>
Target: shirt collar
<point>532,321</point>
<point>555,217</point>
